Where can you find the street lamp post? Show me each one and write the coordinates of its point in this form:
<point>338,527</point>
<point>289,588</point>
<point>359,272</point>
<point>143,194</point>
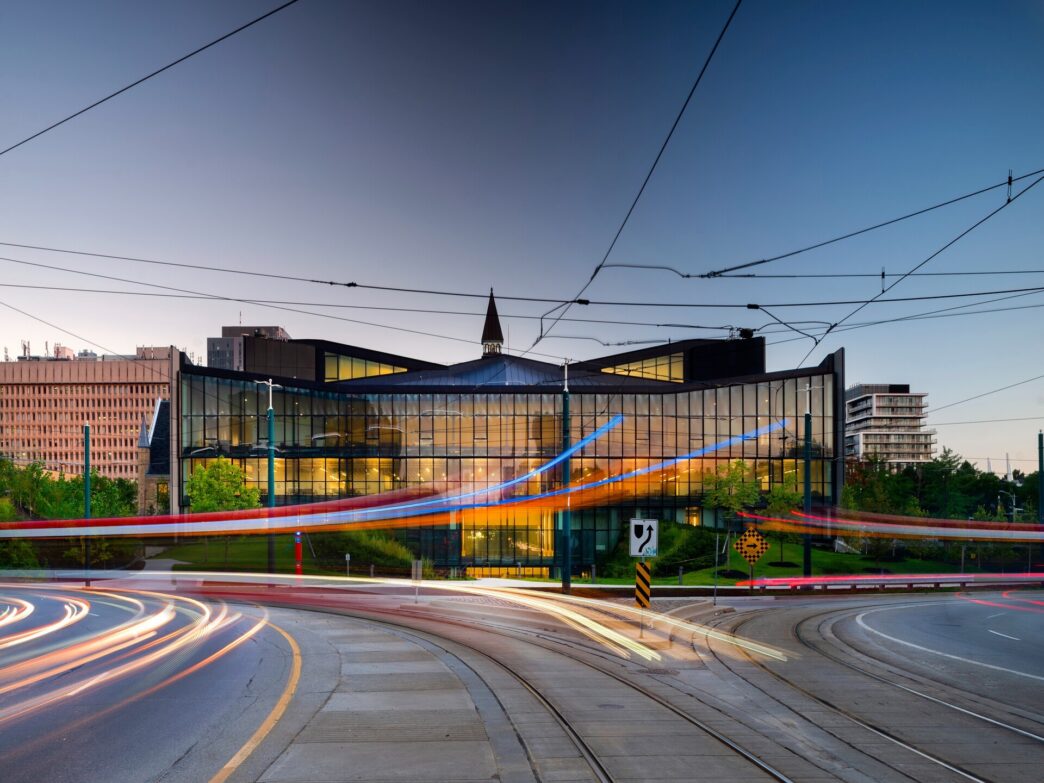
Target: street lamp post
<point>1014,500</point>
<point>1040,477</point>
<point>567,532</point>
<point>271,469</point>
<point>87,502</point>
<point>806,538</point>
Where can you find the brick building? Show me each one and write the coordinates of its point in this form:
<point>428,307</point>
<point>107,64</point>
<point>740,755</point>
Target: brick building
<point>45,401</point>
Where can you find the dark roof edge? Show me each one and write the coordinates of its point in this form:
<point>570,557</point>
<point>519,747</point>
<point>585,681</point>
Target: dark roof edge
<point>666,349</point>
<point>828,365</point>
<point>371,355</point>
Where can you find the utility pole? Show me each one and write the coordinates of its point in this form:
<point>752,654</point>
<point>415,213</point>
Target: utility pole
<point>567,531</point>
<point>87,502</point>
<point>806,538</point>
<point>271,469</point>
<point>1040,477</point>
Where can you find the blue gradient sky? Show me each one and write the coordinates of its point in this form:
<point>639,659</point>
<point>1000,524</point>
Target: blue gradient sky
<point>468,145</point>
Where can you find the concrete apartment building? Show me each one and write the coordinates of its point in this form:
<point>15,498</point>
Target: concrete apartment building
<point>45,401</point>
<point>886,422</point>
<point>238,344</point>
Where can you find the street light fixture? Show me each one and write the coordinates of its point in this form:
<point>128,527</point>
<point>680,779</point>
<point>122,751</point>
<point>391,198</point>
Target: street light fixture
<point>271,467</point>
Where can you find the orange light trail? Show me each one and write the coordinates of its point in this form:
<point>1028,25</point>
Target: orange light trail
<point>70,665</point>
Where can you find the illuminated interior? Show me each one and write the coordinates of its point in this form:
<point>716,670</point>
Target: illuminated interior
<point>670,367</point>
<point>344,443</point>
<point>346,368</point>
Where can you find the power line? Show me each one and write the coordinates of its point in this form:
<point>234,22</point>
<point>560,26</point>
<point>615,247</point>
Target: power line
<point>1004,183</point>
<point>876,275</point>
<point>340,305</point>
<point>945,312</point>
<point>157,72</point>
<point>586,302</point>
<point>276,276</point>
<point>221,297</point>
<point>986,393</point>
<point>984,421</point>
<point>1009,459</point>
<point>1011,200</point>
<point>648,176</point>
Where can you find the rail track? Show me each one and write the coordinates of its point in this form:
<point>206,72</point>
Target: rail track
<point>580,653</point>
<point>827,619</point>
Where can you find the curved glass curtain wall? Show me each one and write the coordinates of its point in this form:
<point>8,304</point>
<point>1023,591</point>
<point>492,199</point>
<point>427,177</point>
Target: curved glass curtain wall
<point>333,445</point>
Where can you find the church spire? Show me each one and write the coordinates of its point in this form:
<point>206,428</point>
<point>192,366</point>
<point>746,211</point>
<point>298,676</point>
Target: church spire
<point>492,336</point>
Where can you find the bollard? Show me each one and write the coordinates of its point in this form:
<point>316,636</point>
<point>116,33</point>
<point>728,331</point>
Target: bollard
<point>680,572</point>
<point>594,574</point>
<point>371,570</point>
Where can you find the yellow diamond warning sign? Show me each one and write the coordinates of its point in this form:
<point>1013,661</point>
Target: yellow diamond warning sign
<point>752,545</point>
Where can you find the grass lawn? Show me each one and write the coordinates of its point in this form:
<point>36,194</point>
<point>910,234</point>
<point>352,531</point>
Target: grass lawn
<point>824,562</point>
<point>250,553</point>
<point>245,553</point>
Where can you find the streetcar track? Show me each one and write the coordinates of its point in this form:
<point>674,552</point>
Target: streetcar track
<point>822,650</point>
<point>860,721</point>
<point>585,750</point>
<point>515,633</point>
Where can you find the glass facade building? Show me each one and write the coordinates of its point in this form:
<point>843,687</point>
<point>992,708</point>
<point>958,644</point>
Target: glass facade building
<point>492,420</point>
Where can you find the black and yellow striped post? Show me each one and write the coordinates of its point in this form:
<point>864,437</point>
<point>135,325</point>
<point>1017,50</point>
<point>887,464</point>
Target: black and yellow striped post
<point>642,588</point>
<point>642,592</point>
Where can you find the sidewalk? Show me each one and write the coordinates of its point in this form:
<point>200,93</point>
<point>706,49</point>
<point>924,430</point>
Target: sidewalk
<point>387,709</point>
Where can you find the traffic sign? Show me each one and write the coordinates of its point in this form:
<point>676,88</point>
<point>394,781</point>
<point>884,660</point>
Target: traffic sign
<point>644,537</point>
<point>642,585</point>
<point>752,545</point>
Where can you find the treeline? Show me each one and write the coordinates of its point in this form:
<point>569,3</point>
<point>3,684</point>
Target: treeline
<point>31,492</point>
<point>948,487</point>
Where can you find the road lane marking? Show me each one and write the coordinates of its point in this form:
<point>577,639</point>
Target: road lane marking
<point>862,624</point>
<point>1014,638</point>
<point>991,616</point>
<point>273,717</point>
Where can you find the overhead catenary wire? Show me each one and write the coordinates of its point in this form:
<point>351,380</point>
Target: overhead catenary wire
<point>816,245</point>
<point>1011,200</point>
<point>876,275</point>
<point>277,276</point>
<point>984,421</point>
<point>241,300</point>
<point>986,393</point>
<point>634,203</point>
<point>145,78</point>
<point>588,302</point>
<point>945,312</point>
<point>344,306</point>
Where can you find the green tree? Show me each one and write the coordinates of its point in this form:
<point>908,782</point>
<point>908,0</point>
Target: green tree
<point>27,487</point>
<point>732,489</point>
<point>17,553</point>
<point>780,500</point>
<point>220,486</point>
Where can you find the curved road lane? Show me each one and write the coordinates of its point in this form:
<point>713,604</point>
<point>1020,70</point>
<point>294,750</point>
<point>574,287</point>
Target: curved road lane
<point>935,687</point>
<point>124,685</point>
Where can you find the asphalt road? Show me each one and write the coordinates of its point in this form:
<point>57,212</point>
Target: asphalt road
<point>129,686</point>
<point>991,644</point>
<point>930,687</point>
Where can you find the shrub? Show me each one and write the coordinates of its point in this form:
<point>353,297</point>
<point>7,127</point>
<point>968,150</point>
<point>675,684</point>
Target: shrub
<point>365,547</point>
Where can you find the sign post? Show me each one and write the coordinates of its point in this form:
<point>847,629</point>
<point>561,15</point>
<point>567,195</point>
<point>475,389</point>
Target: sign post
<point>347,564</point>
<point>751,545</point>
<point>644,542</point>
<point>418,574</point>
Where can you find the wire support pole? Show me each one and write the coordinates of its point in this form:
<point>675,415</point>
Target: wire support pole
<point>567,522</point>
<point>271,470</point>
<point>87,502</point>
<point>806,539</point>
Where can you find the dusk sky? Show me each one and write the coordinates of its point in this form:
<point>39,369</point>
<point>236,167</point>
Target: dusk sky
<point>462,146</point>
